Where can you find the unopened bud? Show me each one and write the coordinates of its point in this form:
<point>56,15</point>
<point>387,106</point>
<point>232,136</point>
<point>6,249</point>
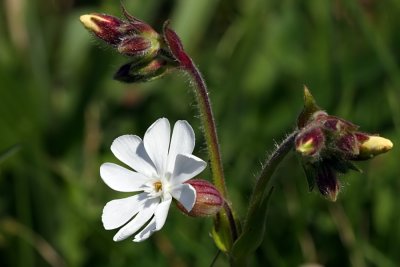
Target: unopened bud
<point>310,142</point>
<point>348,144</point>
<point>374,146</point>
<point>208,199</point>
<point>327,182</point>
<point>338,125</point>
<point>142,71</point>
<point>106,27</point>
<point>139,47</point>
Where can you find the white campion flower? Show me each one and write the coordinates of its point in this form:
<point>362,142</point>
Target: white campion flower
<point>161,168</point>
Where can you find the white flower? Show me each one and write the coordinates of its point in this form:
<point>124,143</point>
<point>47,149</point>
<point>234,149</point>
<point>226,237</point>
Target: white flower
<point>161,168</point>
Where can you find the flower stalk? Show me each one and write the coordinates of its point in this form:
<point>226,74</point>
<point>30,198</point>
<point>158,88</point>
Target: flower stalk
<point>225,226</point>
<point>204,105</point>
<point>254,225</point>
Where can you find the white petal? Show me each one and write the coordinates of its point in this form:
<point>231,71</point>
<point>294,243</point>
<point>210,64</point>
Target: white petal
<point>186,167</point>
<point>146,232</point>
<point>161,213</point>
<point>130,150</point>
<point>185,194</point>
<point>156,142</point>
<point>182,142</point>
<point>121,179</point>
<point>117,212</point>
<point>136,223</point>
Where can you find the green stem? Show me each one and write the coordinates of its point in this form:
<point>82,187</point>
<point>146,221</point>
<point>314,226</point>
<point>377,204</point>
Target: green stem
<point>226,228</point>
<point>254,227</point>
<point>265,181</point>
<point>210,132</point>
<point>225,231</point>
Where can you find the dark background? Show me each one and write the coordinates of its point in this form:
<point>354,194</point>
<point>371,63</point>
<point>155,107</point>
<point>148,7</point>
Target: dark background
<point>60,110</point>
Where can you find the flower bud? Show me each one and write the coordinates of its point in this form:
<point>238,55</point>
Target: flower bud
<point>142,71</point>
<point>373,146</point>
<point>348,144</point>
<point>327,182</point>
<point>139,47</point>
<point>132,36</point>
<point>339,125</point>
<point>105,27</point>
<point>208,199</point>
<point>310,142</point>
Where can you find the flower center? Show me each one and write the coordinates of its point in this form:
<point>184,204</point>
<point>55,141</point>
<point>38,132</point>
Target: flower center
<point>157,186</point>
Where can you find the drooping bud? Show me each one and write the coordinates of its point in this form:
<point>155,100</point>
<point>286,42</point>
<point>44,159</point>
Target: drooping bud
<point>142,71</point>
<point>208,199</point>
<point>373,146</point>
<point>327,182</point>
<point>310,142</point>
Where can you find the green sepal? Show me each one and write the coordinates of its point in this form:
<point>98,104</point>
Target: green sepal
<point>343,165</point>
<point>310,107</point>
<point>221,233</point>
<point>311,174</point>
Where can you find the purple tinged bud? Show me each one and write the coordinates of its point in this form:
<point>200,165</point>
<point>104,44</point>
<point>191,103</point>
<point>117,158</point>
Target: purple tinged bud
<point>137,46</point>
<point>142,71</point>
<point>208,199</point>
<point>327,182</point>
<point>336,124</point>
<point>348,144</point>
<point>310,141</point>
<point>105,27</point>
<point>131,36</point>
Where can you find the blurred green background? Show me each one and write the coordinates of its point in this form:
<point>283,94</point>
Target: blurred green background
<point>60,110</point>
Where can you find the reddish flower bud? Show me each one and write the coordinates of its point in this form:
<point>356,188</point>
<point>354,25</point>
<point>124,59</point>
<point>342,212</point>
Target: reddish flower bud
<point>132,36</point>
<point>141,71</point>
<point>208,199</point>
<point>139,47</point>
<point>107,28</point>
<point>310,141</point>
<point>348,144</point>
<point>337,124</point>
<point>327,182</point>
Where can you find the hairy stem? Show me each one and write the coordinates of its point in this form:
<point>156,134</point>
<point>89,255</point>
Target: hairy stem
<point>264,182</point>
<point>254,227</point>
<point>208,122</point>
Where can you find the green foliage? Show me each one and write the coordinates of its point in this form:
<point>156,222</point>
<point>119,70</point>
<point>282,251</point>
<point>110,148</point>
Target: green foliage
<point>60,104</point>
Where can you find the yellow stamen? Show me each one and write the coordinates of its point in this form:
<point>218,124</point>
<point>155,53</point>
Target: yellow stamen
<point>158,186</point>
